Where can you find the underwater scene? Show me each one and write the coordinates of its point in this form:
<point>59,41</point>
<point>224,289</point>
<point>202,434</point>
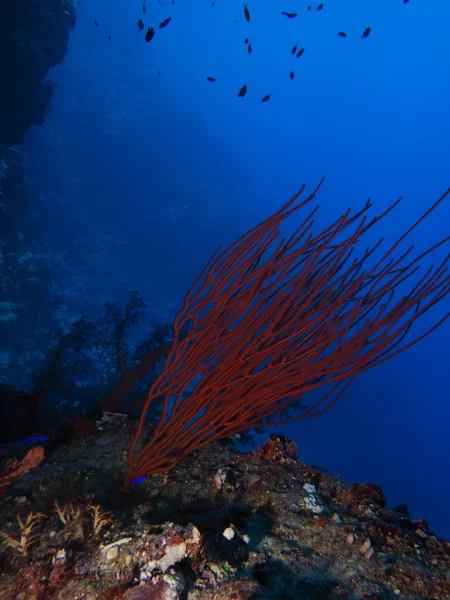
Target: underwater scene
<point>224,300</point>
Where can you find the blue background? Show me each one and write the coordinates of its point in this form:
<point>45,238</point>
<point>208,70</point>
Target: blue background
<point>151,167</point>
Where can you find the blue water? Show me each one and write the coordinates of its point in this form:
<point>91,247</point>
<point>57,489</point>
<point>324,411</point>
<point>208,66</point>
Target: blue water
<point>151,167</point>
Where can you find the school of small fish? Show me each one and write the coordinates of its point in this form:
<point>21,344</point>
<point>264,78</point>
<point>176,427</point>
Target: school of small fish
<point>295,51</point>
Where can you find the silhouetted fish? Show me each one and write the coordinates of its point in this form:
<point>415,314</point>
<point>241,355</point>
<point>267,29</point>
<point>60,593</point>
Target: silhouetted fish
<point>289,15</point>
<point>150,34</point>
<point>209,78</point>
<point>366,33</point>
<point>242,91</point>
<point>246,13</point>
<point>164,23</point>
<point>266,98</point>
<point>342,34</point>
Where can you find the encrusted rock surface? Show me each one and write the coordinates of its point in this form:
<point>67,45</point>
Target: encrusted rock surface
<point>222,525</point>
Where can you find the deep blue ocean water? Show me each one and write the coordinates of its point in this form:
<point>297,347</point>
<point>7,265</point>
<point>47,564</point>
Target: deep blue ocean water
<point>152,167</point>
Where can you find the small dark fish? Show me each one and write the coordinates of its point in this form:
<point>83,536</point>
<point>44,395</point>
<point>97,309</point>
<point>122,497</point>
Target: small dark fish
<point>405,1</point>
<point>96,23</point>
<point>242,91</point>
<point>212,4</point>
<point>266,98</point>
<point>246,41</point>
<point>366,33</point>
<point>249,48</point>
<point>319,7</point>
<point>109,36</point>
<point>291,74</point>
<point>289,15</point>
<point>294,49</point>
<point>300,52</point>
<point>309,7</point>
<point>246,13</point>
<point>164,23</point>
<point>212,79</point>
<point>140,24</point>
<point>342,34</point>
<point>144,8</point>
<point>150,34</point>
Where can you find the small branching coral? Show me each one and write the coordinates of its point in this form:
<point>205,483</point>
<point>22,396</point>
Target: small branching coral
<point>67,512</point>
<point>101,518</point>
<point>75,519</point>
<point>27,537</point>
<point>47,556</point>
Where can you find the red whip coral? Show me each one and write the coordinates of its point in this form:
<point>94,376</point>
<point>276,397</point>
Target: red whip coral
<point>264,324</point>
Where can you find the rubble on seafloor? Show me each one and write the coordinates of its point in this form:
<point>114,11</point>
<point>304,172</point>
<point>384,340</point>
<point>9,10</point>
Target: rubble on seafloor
<point>222,525</point>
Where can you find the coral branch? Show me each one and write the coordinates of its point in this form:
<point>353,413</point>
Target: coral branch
<point>264,324</point>
<point>114,400</point>
<point>15,468</point>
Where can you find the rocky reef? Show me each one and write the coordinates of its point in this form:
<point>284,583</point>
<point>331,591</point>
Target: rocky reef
<point>224,524</point>
<point>34,37</point>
